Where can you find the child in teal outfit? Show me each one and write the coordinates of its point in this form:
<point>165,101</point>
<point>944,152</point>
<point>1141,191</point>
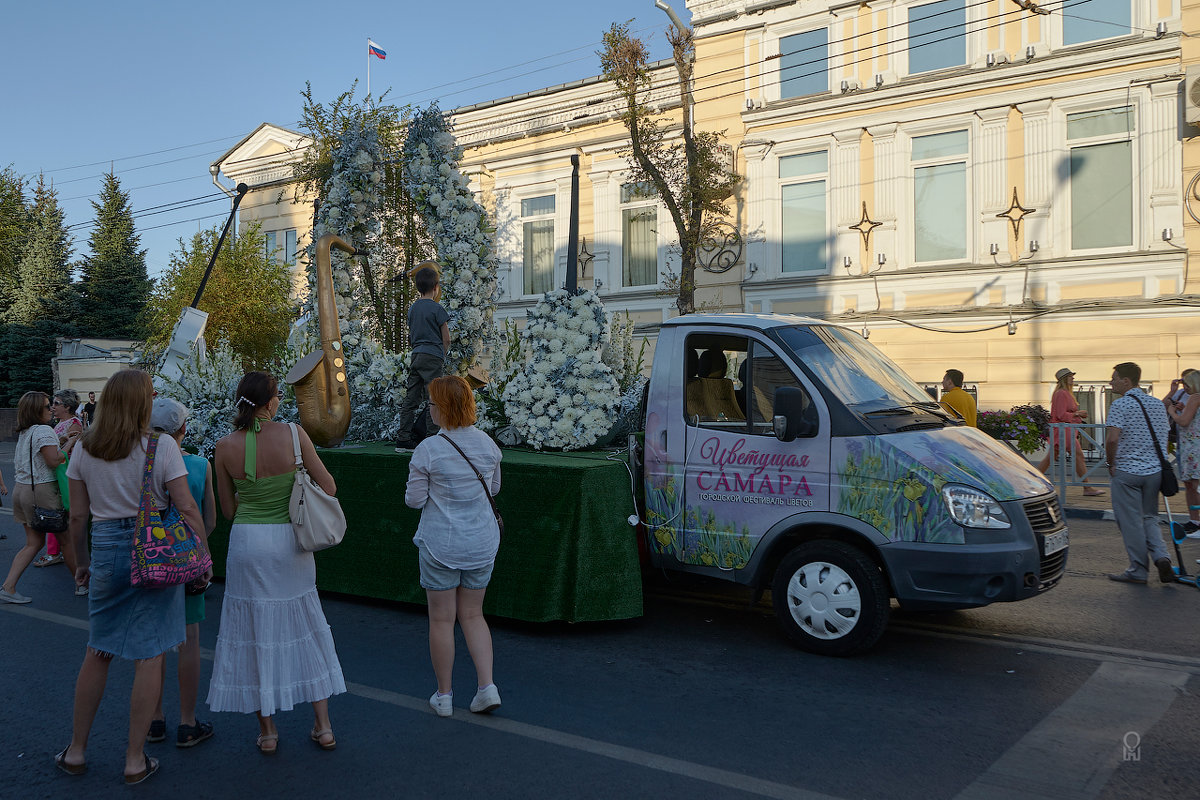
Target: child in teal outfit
<point>170,417</point>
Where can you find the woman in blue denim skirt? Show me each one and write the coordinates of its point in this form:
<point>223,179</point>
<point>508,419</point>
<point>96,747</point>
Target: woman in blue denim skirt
<point>130,622</point>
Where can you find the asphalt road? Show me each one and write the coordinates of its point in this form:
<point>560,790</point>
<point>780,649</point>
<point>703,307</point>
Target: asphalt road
<point>1088,691</point>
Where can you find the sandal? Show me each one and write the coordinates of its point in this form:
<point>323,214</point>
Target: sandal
<point>316,737</point>
<point>1091,492</point>
<point>264,738</point>
<point>60,761</point>
<point>48,560</point>
<point>150,768</point>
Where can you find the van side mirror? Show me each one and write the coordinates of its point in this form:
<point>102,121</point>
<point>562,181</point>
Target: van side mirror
<point>794,415</point>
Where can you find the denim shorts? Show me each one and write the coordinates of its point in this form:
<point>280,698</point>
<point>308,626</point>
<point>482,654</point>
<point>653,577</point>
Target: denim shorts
<point>123,620</point>
<point>437,577</point>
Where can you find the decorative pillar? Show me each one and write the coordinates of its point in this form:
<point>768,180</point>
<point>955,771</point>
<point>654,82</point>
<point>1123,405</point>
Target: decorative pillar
<point>1039,175</point>
<point>991,169</point>
<point>883,208</point>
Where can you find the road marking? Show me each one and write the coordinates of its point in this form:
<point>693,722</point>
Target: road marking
<point>1075,750</point>
<point>583,744</point>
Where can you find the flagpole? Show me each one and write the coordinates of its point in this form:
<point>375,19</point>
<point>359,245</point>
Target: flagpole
<point>368,66</point>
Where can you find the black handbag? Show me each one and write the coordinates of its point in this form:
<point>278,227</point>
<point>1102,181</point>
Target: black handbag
<point>486,491</point>
<point>1169,484</point>
<point>45,520</point>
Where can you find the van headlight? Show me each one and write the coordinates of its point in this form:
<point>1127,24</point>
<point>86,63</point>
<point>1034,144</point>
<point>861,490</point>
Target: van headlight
<point>972,508</point>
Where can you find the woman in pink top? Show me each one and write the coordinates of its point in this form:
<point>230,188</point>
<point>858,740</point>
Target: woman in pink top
<point>1065,408</point>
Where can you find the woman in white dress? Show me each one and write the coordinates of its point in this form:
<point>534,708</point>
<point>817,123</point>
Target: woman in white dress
<point>274,648</point>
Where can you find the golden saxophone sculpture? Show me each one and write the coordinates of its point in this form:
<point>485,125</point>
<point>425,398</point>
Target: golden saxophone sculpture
<point>319,379</point>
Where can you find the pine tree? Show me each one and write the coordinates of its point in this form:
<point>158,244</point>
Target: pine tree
<point>115,286</point>
<point>43,290</point>
<point>14,227</point>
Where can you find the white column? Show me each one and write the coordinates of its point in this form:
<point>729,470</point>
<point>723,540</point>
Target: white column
<point>888,184</point>
<point>992,189</point>
<point>845,195</point>
<point>1161,159</point>
<point>1039,175</point>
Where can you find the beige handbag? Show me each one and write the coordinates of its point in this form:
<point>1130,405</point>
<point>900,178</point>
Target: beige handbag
<point>317,518</point>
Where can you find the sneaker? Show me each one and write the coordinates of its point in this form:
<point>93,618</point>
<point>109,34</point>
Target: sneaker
<point>13,597</point>
<point>48,560</point>
<point>486,700</point>
<point>443,704</point>
<point>192,735</point>
<point>81,591</point>
<point>1166,573</point>
<point>158,731</point>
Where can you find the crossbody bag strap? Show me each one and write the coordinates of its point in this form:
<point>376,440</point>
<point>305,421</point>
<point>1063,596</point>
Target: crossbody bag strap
<point>1162,459</point>
<point>478,475</point>
<point>146,505</point>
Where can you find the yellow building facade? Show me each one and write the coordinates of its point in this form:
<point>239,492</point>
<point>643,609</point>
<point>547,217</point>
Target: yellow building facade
<point>972,183</point>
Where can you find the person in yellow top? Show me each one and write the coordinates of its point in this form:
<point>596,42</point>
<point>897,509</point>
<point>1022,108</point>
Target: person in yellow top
<point>955,399</point>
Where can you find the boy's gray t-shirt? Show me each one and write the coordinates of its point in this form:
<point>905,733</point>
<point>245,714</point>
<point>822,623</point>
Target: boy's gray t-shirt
<point>425,320</point>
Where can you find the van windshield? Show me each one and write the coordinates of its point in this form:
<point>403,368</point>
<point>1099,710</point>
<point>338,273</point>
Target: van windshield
<point>856,371</point>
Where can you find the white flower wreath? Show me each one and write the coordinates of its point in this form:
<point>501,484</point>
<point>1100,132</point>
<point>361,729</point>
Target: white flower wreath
<point>566,397</point>
<point>461,233</point>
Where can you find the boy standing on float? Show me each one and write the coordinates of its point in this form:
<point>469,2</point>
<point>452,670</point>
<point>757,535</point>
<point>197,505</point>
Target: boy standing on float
<point>429,338</point>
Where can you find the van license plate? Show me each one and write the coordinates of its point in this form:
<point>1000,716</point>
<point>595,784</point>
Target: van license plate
<point>1056,542</point>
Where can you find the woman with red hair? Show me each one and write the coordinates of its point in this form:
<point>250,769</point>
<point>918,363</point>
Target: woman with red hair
<point>458,536</point>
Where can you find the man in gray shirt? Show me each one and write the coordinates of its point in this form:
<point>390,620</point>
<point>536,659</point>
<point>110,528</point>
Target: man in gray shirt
<point>429,337</point>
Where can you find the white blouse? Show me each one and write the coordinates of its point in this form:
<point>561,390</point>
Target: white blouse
<point>39,436</point>
<point>457,525</point>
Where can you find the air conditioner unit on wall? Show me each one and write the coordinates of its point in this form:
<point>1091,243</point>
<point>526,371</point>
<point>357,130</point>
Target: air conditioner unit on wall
<point>1191,95</point>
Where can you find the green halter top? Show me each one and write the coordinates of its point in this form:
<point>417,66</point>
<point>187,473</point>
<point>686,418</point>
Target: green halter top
<point>262,500</point>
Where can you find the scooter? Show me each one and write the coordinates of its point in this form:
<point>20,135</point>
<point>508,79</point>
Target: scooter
<point>1178,534</point>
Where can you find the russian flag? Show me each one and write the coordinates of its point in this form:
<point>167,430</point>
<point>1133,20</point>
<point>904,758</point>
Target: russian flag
<point>375,50</point>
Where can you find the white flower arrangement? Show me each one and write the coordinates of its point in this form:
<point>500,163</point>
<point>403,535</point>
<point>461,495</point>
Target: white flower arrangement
<point>461,233</point>
<point>351,209</point>
<point>208,387</point>
<point>565,397</point>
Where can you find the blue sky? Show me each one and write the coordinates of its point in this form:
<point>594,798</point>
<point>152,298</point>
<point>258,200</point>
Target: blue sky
<point>163,89</point>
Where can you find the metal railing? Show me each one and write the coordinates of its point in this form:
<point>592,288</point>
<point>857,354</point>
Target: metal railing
<point>1062,469</point>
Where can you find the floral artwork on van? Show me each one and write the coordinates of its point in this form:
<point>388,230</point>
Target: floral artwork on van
<point>894,483</point>
<point>707,542</point>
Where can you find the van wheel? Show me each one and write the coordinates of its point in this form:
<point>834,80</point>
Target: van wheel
<point>830,598</point>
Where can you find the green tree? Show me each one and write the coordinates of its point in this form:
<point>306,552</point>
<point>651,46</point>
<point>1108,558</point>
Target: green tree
<point>14,225</point>
<point>26,357</point>
<point>693,181</point>
<point>247,297</point>
<point>114,284</point>
<point>44,290</point>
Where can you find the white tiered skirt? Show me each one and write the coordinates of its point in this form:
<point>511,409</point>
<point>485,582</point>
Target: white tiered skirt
<point>274,647</point>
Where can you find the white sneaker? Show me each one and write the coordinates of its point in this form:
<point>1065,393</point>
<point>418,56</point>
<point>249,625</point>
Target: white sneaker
<point>443,704</point>
<point>486,699</point>
<point>13,597</point>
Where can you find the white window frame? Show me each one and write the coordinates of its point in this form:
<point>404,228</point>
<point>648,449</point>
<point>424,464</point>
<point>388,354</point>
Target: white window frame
<point>969,55</point>
<point>772,88</point>
<point>933,128</point>
<point>276,250</point>
<point>1110,100</point>
<point>1141,24</point>
<point>634,204</point>
<point>780,183</point>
